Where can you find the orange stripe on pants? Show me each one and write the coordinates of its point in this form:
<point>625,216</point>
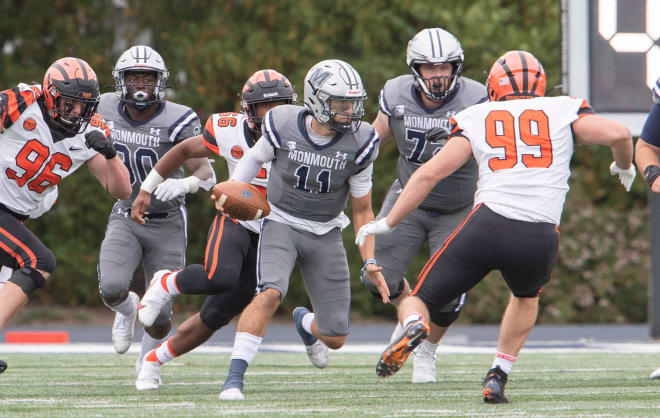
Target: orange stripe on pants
<point>431,262</point>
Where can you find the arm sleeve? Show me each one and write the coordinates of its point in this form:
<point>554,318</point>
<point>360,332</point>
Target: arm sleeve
<point>651,130</point>
<point>248,167</point>
<point>360,183</point>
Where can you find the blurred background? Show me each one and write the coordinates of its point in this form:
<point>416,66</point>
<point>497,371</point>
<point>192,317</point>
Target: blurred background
<point>211,48</point>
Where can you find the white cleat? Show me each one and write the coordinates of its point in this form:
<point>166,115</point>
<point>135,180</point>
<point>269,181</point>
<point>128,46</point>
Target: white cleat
<point>149,376</point>
<point>232,394</point>
<point>318,354</point>
<point>153,300</point>
<point>656,374</point>
<point>424,363</point>
<point>122,329</point>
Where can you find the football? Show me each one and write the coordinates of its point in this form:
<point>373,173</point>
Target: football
<point>241,201</point>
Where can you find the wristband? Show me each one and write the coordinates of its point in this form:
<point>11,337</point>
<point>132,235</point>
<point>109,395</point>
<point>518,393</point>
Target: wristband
<point>151,182</point>
<point>367,262</point>
<point>651,173</point>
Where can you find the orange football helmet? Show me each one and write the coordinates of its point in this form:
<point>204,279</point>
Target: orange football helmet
<point>516,75</point>
<point>70,78</point>
<point>265,86</point>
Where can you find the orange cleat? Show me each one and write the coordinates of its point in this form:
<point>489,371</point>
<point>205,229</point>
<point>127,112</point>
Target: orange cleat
<point>397,352</point>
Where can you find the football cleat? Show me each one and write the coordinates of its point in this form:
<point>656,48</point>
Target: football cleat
<point>397,352</point>
<point>316,350</point>
<point>3,366</point>
<point>149,376</point>
<point>154,299</point>
<point>424,363</point>
<point>232,394</point>
<point>122,329</point>
<point>654,375</point>
<point>494,383</point>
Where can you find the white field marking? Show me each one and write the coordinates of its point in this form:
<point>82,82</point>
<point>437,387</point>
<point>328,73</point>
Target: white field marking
<point>560,347</point>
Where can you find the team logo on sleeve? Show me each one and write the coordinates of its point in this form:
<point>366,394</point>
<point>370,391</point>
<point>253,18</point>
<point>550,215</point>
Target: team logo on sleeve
<point>237,152</point>
<point>291,145</point>
<point>30,124</point>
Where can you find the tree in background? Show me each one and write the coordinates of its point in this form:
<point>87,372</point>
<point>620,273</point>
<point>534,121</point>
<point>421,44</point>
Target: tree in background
<point>212,48</point>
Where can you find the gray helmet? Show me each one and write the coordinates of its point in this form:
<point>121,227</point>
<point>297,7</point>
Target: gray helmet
<point>143,59</point>
<point>330,83</point>
<point>435,46</point>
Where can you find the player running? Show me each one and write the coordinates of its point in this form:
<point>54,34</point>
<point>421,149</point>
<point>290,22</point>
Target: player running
<point>47,132</point>
<point>145,126</point>
<point>228,274</point>
<point>523,143</point>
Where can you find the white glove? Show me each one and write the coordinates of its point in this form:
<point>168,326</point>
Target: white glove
<point>625,176</point>
<point>46,203</point>
<point>171,188</point>
<point>372,228</point>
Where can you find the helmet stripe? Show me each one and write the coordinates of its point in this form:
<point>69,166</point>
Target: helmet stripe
<point>82,66</point>
<point>350,72</point>
<point>437,33</point>
<point>509,74</point>
<point>432,46</point>
<point>62,71</point>
<point>523,61</point>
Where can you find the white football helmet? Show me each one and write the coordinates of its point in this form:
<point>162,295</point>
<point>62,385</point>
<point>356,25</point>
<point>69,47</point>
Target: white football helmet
<point>144,59</point>
<point>435,46</point>
<point>334,90</point>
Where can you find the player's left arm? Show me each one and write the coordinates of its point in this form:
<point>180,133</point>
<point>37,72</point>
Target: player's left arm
<point>112,174</point>
<point>453,155</point>
<point>363,214</point>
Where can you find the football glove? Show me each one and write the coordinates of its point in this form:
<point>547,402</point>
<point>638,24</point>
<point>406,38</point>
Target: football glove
<point>436,134</point>
<point>98,142</point>
<point>171,188</point>
<point>625,176</point>
<point>372,228</point>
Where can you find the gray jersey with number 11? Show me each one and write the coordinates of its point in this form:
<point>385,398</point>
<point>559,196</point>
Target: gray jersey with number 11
<point>307,180</point>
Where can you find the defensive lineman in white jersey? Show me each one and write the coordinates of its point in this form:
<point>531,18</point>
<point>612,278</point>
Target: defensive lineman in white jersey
<point>522,143</point>
<point>47,132</point>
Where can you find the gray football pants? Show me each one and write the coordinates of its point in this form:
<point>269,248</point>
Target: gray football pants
<point>322,260</point>
<point>159,244</point>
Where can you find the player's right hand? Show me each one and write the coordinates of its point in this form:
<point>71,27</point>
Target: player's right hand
<point>626,176</point>
<point>372,228</point>
<point>99,143</point>
<point>140,205</point>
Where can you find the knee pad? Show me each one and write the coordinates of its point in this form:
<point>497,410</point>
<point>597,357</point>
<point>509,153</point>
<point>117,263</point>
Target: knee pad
<point>443,319</point>
<point>28,279</point>
<point>214,318</point>
<point>395,291</point>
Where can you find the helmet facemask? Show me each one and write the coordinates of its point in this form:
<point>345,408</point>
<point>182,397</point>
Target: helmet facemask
<point>140,59</point>
<point>437,88</point>
<point>341,114</point>
<point>140,99</point>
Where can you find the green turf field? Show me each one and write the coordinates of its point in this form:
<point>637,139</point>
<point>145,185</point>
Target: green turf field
<point>287,385</point>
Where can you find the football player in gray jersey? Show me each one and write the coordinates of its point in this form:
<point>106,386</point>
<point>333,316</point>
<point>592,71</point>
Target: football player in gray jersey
<point>145,126</point>
<point>409,106</point>
<point>320,154</point>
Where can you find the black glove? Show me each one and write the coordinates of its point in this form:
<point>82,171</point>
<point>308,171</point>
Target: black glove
<point>436,134</point>
<point>97,141</point>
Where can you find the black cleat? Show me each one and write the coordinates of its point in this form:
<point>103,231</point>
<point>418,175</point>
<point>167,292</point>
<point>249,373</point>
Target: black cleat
<point>398,351</point>
<point>494,383</point>
<point>3,366</point>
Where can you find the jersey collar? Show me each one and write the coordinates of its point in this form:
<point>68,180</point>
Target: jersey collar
<point>301,127</point>
<point>133,123</point>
